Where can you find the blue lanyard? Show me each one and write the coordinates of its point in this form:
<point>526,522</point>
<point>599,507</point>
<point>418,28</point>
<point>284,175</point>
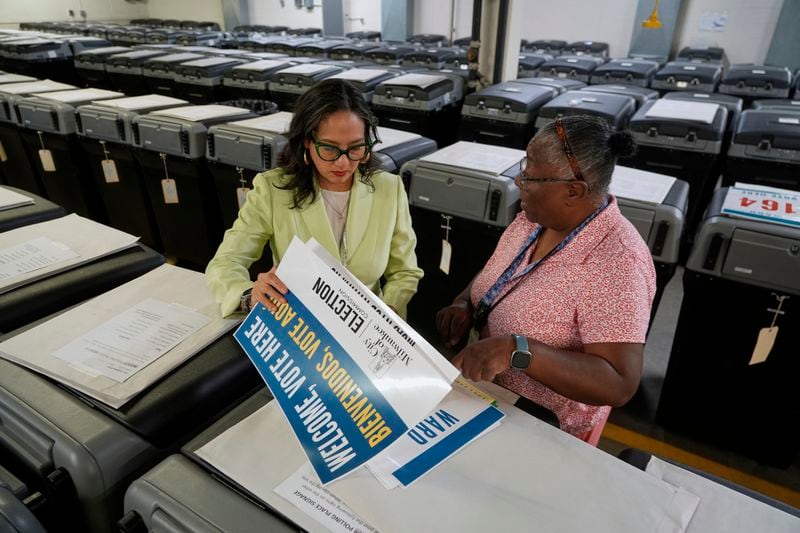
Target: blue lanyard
<point>490,299</point>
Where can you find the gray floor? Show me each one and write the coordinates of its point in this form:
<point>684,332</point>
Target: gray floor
<point>639,414</point>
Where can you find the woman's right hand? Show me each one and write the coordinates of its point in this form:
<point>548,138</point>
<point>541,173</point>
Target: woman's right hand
<point>453,322</point>
<point>268,286</point>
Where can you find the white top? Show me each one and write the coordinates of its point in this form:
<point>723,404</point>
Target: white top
<point>80,95</point>
<point>15,78</point>
<point>390,137</point>
<point>35,87</point>
<point>683,110</point>
<point>136,103</point>
<point>640,185</point>
<point>359,74</point>
<point>336,204</point>
<point>477,156</point>
<point>208,62</point>
<point>416,80</point>
<point>308,68</point>
<point>264,64</point>
<point>201,112</point>
<point>276,123</point>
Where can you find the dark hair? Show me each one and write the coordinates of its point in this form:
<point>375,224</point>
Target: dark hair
<point>595,144</point>
<point>311,108</point>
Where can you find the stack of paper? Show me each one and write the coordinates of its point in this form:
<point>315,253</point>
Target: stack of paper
<point>37,251</point>
<point>640,185</point>
<point>117,344</point>
<point>10,199</point>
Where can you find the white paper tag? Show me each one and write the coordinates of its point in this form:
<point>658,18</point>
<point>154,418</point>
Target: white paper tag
<point>3,154</point>
<point>48,165</point>
<point>241,195</point>
<point>170,191</point>
<point>110,170</point>
<point>764,344</point>
<point>444,262</point>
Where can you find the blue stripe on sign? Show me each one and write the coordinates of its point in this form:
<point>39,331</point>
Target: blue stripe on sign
<point>434,455</point>
<point>775,220</point>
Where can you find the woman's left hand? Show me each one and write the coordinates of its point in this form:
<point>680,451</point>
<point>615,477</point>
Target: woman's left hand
<point>483,360</point>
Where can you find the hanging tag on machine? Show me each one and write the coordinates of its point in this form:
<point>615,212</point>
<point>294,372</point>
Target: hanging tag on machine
<point>764,344</point>
<point>767,336</point>
<point>447,252</point>
<point>168,186</point>
<point>46,158</point>
<point>108,165</point>
<point>241,195</point>
<point>110,171</point>
<point>3,154</point>
<point>243,189</point>
<point>447,248</point>
<point>170,190</point>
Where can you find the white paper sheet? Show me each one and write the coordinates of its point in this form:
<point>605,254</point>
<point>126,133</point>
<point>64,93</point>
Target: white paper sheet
<point>201,112</point>
<point>525,472</point>
<point>133,339</point>
<point>359,74</point>
<point>178,286</point>
<point>683,110</point>
<point>390,137</point>
<point>463,154</point>
<point>35,87</point>
<point>136,103</point>
<point>88,239</point>
<point>10,199</point>
<point>79,95</point>
<point>417,80</point>
<point>721,508</point>
<point>30,256</point>
<point>640,185</point>
<point>276,123</point>
<point>303,491</point>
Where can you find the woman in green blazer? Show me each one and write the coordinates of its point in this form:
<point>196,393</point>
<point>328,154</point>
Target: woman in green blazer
<point>328,188</point>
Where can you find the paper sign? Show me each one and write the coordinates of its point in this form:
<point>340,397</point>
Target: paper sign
<point>311,498</point>
<point>241,195</point>
<point>109,170</point>
<point>348,379</point>
<point>133,339</point>
<point>32,255</point>
<point>778,207</point>
<point>493,159</point>
<point>640,185</point>
<point>458,420</point>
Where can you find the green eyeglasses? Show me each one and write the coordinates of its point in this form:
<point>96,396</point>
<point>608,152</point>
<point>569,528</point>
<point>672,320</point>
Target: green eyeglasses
<point>330,152</point>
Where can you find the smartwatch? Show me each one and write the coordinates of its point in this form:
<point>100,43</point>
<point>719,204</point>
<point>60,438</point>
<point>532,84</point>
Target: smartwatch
<point>244,302</point>
<point>521,357</point>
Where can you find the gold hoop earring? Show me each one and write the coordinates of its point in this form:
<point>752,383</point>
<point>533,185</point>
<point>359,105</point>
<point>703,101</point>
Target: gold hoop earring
<point>366,159</point>
<point>305,157</point>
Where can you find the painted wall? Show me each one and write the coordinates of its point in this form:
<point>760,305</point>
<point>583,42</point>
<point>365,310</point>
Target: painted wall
<point>12,12</point>
<point>747,34</point>
<point>608,21</point>
<point>284,13</point>
<point>199,10</point>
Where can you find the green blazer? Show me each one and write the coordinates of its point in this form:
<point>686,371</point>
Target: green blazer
<point>378,230</point>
